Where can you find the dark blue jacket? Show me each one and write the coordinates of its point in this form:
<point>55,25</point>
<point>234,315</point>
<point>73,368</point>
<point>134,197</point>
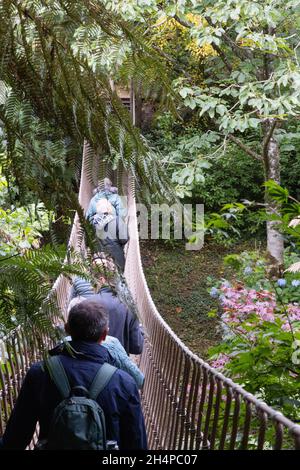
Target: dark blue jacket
<point>122,323</point>
<point>38,397</point>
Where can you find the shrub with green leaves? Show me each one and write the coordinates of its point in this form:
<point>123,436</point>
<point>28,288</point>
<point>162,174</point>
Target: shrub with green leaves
<point>260,320</point>
<point>21,228</point>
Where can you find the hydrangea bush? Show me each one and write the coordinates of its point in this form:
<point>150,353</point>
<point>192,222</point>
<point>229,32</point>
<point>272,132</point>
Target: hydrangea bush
<point>260,320</point>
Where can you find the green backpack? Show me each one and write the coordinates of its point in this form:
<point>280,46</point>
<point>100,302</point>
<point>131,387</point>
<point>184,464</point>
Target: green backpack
<point>78,422</point>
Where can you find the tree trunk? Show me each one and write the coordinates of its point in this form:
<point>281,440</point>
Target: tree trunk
<point>275,245</point>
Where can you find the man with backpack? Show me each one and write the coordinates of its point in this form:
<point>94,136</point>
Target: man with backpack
<point>105,190</point>
<point>80,401</point>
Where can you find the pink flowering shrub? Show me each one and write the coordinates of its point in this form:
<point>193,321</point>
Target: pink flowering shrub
<point>248,307</point>
<point>220,362</point>
<point>260,320</point>
<point>239,303</point>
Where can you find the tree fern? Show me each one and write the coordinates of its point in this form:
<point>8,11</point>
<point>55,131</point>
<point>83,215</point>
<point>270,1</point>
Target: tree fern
<point>26,282</point>
<point>55,93</point>
<point>45,60</point>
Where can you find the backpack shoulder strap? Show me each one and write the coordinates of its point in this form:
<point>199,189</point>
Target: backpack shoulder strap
<point>58,375</point>
<point>101,379</point>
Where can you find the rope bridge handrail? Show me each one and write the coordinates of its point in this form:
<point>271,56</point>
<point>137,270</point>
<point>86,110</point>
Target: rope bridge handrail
<point>187,404</point>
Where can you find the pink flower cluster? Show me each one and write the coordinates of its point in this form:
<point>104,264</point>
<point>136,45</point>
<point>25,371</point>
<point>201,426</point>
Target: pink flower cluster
<point>245,310</point>
<point>239,303</point>
<point>293,312</point>
<point>220,362</point>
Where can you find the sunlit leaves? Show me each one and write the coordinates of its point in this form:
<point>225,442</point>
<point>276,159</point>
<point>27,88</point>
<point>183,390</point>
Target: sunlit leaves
<point>21,228</point>
<point>25,286</point>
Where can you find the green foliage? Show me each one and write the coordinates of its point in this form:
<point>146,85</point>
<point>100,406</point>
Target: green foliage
<point>8,194</point>
<point>261,327</point>
<point>260,347</point>
<point>233,260</point>
<point>202,169</point>
<point>26,281</point>
<point>21,228</point>
<point>290,212</point>
<point>265,367</point>
<point>235,220</point>
<point>277,192</point>
<point>187,162</point>
<point>55,67</point>
<point>223,226</point>
<point>36,153</point>
<point>237,93</point>
<point>232,177</point>
<point>55,92</point>
<point>289,140</point>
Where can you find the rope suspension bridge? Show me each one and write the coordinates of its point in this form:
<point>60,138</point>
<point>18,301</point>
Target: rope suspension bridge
<point>187,404</point>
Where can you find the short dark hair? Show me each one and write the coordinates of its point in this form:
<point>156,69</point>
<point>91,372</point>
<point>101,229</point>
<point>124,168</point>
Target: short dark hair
<point>87,321</point>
